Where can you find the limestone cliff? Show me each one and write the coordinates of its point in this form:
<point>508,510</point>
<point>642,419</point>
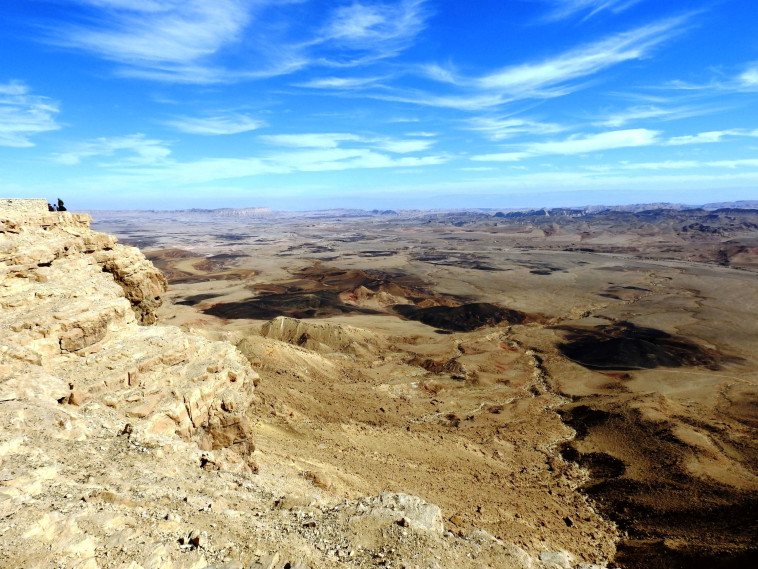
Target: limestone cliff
<point>71,302</point>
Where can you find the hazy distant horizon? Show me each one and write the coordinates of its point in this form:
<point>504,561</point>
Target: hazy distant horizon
<point>450,202</point>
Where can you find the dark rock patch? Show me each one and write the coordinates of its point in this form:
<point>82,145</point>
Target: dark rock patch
<point>465,260</point>
<point>157,256</point>
<point>657,554</point>
<point>624,346</point>
<point>139,242</point>
<point>582,418</point>
<point>227,256</point>
<point>320,304</point>
<point>376,253</point>
<point>707,527</point>
<point>464,318</point>
<point>599,464</point>
<point>639,478</point>
<point>195,299</point>
<point>232,236</point>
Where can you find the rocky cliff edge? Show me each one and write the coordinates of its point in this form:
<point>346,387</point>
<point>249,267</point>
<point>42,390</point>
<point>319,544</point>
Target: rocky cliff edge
<point>130,446</point>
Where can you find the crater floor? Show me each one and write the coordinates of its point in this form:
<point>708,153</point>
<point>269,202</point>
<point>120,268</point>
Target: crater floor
<point>581,384</point>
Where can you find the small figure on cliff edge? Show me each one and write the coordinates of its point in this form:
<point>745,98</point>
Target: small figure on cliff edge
<point>61,207</point>
<point>50,207</point>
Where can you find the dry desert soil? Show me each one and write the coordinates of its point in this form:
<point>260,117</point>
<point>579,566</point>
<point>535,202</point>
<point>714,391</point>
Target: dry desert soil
<point>580,381</point>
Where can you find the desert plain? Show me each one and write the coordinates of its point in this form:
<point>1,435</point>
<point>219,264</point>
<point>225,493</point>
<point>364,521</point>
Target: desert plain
<point>569,380</point>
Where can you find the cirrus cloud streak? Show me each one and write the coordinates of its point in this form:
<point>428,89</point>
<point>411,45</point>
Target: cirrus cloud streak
<point>23,115</point>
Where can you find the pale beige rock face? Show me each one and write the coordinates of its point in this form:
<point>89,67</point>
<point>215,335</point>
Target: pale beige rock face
<point>321,337</point>
<point>64,312</point>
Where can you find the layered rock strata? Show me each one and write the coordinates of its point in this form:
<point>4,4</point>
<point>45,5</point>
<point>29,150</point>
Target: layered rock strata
<point>321,337</point>
<point>71,302</point>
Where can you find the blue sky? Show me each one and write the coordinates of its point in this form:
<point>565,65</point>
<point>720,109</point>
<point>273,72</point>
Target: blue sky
<point>311,104</point>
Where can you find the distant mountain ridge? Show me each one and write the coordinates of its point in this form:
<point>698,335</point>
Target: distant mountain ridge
<point>499,212</point>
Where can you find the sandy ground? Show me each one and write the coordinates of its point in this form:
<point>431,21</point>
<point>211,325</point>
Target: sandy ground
<point>618,398</point>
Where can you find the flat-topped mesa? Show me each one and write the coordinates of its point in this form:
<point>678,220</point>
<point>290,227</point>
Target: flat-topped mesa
<point>71,300</point>
<point>67,233</point>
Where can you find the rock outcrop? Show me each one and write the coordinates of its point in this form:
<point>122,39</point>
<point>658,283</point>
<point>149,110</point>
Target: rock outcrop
<point>321,337</point>
<point>40,237</point>
<point>72,300</point>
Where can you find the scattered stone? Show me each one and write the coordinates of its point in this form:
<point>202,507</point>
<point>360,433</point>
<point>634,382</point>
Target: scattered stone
<point>266,562</point>
<point>198,539</point>
<point>559,558</point>
<point>456,520</point>
<point>410,511</point>
<point>319,479</point>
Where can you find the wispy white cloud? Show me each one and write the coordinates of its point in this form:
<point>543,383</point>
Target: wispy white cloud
<point>374,30</point>
<point>335,140</point>
<point>500,128</point>
<point>662,165</point>
<point>744,82</point>
<point>217,125</point>
<point>320,160</point>
<point>476,101</point>
<point>340,83</point>
<point>502,157</point>
<point>438,73</point>
<point>188,41</point>
<point>178,41</point>
<point>534,79</point>
<point>159,36</point>
<point>577,144</point>
<point>741,163</point>
<point>141,160</point>
<point>675,165</point>
<point>710,136</point>
<point>310,140</point>
<point>700,138</point>
<point>567,8</point>
<point>402,146</point>
<point>554,77</point>
<point>301,160</point>
<point>23,115</point>
<point>136,5</point>
<point>133,150</point>
<point>647,112</point>
<point>749,78</point>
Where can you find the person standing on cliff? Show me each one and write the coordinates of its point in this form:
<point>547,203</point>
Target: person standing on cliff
<point>61,207</point>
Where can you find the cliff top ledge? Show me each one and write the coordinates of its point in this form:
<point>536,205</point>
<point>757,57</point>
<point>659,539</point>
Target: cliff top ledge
<point>30,212</point>
<point>23,205</point>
